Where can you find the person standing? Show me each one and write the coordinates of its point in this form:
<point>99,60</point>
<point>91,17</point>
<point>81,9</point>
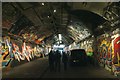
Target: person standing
<point>51,60</point>
<point>65,60</point>
<point>57,61</point>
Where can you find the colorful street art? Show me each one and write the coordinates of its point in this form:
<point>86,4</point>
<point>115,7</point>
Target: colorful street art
<point>105,51</point>
<point>88,46</point>
<point>11,50</point>
<point>116,54</point>
<point>109,51</point>
<point>116,47</point>
<point>6,51</point>
<point>33,37</point>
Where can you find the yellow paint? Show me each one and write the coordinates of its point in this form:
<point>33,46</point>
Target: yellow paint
<point>40,39</point>
<point>5,54</point>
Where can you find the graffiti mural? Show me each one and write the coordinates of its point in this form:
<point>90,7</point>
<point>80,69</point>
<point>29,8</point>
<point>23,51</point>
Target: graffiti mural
<point>105,52</point>
<point>88,46</point>
<point>116,47</point>
<point>37,51</point>
<point>27,52</point>
<point>12,50</point>
<point>116,54</point>
<point>109,51</point>
<point>6,51</point>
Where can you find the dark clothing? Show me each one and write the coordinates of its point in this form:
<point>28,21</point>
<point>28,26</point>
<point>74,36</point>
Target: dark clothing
<point>65,60</point>
<point>51,60</point>
<point>57,61</point>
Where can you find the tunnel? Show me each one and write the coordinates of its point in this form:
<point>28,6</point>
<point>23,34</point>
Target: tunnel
<point>31,31</point>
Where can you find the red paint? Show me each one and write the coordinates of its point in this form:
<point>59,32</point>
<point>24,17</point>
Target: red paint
<point>116,49</point>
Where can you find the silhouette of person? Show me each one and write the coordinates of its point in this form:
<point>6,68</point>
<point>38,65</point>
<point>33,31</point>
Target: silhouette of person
<point>51,60</point>
<point>65,60</point>
<point>57,61</point>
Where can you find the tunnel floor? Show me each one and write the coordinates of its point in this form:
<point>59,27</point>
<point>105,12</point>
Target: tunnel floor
<point>39,69</point>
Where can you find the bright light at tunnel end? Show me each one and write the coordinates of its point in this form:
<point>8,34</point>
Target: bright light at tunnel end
<point>60,36</point>
<point>61,46</point>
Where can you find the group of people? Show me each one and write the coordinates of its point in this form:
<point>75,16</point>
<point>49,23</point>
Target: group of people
<point>55,59</point>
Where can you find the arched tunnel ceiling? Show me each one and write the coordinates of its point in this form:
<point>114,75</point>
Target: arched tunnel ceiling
<point>28,18</point>
<point>91,20</point>
<point>95,7</point>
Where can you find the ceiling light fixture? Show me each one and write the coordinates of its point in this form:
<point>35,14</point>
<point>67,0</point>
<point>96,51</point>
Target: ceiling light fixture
<point>54,10</point>
<point>101,26</point>
<point>42,3</point>
<point>60,36</point>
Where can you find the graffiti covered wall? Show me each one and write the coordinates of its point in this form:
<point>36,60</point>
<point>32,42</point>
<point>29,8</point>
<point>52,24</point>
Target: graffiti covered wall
<point>104,55</point>
<point>18,50</point>
<point>88,46</point>
<point>109,51</point>
<point>6,51</point>
<point>74,45</point>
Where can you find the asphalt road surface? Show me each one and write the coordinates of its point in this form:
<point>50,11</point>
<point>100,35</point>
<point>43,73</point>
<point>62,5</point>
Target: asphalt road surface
<point>39,69</point>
